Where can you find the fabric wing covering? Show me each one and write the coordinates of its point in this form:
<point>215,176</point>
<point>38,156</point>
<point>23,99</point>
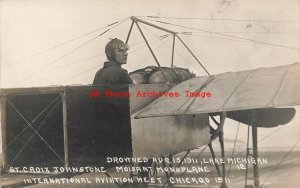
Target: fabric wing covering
<point>261,88</point>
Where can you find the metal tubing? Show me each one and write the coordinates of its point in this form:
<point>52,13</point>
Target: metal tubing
<point>144,175</point>
<point>171,174</point>
<point>221,139</point>
<point>4,164</point>
<point>247,155</point>
<point>255,155</point>
<point>65,128</point>
<point>127,39</point>
<point>173,48</point>
<point>135,19</point>
<point>193,54</point>
<point>151,50</point>
<point>214,157</point>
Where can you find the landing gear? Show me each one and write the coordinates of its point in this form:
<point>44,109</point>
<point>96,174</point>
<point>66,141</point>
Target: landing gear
<point>168,174</point>
<point>218,132</point>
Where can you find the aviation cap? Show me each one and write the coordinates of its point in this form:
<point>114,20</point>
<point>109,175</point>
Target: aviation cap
<point>114,44</point>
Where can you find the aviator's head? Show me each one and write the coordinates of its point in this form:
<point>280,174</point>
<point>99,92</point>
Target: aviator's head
<point>116,50</point>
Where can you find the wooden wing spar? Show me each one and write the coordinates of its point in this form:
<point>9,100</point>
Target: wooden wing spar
<point>236,93</point>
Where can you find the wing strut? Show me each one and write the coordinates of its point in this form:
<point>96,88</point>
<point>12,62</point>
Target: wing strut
<point>255,155</point>
<point>252,115</point>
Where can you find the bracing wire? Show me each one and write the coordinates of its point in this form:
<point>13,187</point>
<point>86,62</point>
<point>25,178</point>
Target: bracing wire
<point>33,134</point>
<point>79,61</point>
<point>15,138</point>
<point>177,54</point>
<point>233,150</point>
<point>221,19</point>
<point>68,41</point>
<point>58,59</point>
<point>73,50</point>
<point>280,162</point>
<point>246,32</point>
<point>240,39</point>
<point>212,37</point>
<point>147,57</point>
<point>227,35</point>
<point>160,38</point>
<point>42,112</point>
<point>152,33</point>
<point>36,132</point>
<point>198,155</point>
<point>82,73</point>
<point>151,39</point>
<point>93,68</point>
<point>263,138</point>
<point>101,54</point>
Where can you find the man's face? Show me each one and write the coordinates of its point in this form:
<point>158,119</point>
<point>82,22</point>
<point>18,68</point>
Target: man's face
<point>121,54</point>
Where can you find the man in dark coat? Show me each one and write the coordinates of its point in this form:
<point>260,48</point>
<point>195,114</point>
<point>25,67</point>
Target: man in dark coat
<point>113,115</point>
<point>112,73</point>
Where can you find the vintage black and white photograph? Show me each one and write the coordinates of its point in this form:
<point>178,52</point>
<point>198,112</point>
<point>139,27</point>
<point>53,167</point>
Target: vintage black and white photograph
<point>140,93</point>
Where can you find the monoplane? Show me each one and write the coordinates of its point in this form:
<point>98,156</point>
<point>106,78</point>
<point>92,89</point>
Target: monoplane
<point>90,127</point>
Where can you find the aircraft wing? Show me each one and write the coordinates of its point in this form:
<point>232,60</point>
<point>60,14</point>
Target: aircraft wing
<point>264,117</point>
<point>260,88</point>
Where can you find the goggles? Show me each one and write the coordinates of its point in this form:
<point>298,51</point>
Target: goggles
<point>123,46</point>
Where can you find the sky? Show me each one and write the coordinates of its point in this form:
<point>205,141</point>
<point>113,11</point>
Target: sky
<point>61,42</point>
